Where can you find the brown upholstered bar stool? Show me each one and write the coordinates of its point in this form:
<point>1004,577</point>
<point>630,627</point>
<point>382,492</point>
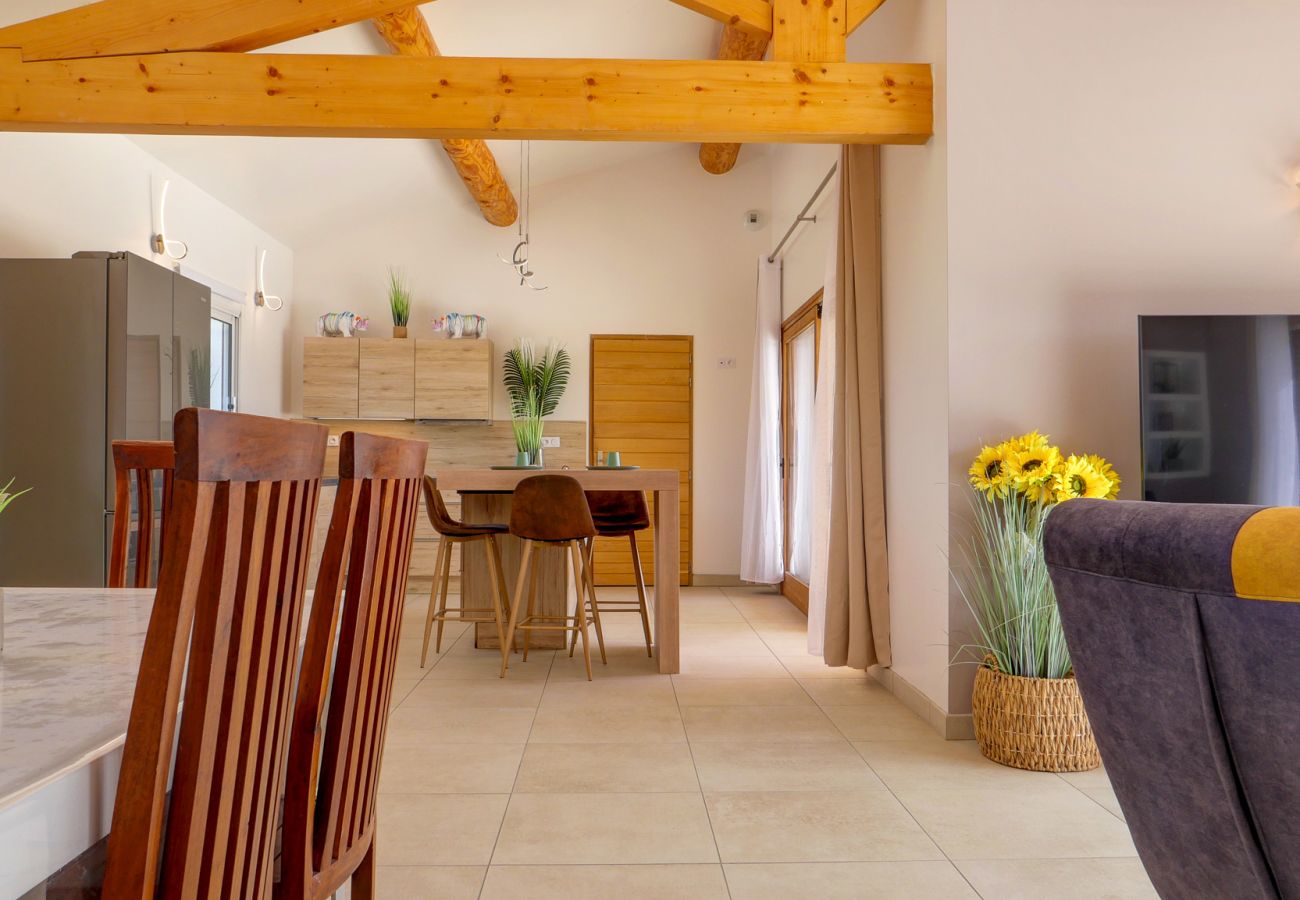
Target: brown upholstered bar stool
<point>551,510</point>
<point>452,533</point>
<point>619,514</point>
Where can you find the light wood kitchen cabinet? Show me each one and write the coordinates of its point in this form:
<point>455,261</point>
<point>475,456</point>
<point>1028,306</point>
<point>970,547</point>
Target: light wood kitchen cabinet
<point>387,382</point>
<point>330,378</point>
<point>453,379</point>
<point>381,378</point>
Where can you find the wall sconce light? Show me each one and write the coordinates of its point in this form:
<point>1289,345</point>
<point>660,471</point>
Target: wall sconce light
<point>261,297</point>
<point>168,248</point>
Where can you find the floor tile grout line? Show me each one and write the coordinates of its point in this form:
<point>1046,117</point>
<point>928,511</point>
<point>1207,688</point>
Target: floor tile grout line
<point>1094,799</point>
<point>911,815</point>
<point>550,667</point>
<point>699,783</point>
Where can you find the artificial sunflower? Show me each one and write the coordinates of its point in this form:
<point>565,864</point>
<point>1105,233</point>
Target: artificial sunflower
<point>1032,472</point>
<point>1031,441</point>
<point>1106,470</point>
<point>1079,477</point>
<point>988,471</point>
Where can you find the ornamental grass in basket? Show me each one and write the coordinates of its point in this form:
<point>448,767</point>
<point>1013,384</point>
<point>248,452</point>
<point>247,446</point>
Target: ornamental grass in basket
<point>1026,706</point>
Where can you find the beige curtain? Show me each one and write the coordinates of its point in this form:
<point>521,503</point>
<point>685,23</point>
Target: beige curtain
<point>857,565</point>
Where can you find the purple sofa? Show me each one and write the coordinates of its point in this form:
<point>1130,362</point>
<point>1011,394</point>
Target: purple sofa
<point>1183,622</point>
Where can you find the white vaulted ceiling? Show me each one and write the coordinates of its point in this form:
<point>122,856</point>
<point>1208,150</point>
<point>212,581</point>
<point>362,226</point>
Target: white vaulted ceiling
<point>295,187</point>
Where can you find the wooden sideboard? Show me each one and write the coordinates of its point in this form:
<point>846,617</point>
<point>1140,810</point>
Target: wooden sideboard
<point>384,378</point>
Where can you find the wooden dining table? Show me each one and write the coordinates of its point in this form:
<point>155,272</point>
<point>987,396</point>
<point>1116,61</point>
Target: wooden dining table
<point>485,493</point>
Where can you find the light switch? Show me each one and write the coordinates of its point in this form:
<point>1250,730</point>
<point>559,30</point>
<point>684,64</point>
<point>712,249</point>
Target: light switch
<point>332,440</point>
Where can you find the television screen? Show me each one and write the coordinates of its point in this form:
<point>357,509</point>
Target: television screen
<point>1220,409</point>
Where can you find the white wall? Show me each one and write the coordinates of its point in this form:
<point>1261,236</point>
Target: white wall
<point>652,246</point>
<point>914,288</point>
<point>1108,159</point>
<point>64,193</point>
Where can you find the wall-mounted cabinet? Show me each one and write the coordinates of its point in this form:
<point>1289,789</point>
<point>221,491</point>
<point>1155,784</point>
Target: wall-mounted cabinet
<point>330,378</point>
<point>377,378</point>
<point>387,383</point>
<point>453,379</point>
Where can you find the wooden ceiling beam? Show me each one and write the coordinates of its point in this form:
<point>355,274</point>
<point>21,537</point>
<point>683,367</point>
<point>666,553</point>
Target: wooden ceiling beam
<point>718,159</point>
<point>809,32</point>
<point>406,32</point>
<point>453,97</point>
<point>119,27</point>
<point>860,10</point>
<point>750,16</point>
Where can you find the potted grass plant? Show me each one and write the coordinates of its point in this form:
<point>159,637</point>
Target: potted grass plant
<point>535,385</point>
<point>1026,706</point>
<point>399,301</point>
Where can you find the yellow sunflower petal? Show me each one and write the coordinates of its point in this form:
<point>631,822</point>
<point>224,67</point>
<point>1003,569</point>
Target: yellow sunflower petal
<point>1080,478</point>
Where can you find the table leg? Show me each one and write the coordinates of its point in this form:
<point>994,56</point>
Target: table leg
<point>667,580</point>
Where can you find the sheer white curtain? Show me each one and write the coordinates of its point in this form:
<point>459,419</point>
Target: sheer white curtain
<point>800,466</point>
<point>820,497</point>
<point>761,552</point>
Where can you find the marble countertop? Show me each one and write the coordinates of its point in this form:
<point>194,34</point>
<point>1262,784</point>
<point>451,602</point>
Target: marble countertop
<point>67,677</point>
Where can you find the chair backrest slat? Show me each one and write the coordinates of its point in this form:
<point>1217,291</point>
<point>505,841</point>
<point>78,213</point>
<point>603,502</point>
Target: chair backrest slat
<point>136,462</point>
<point>345,686</point>
<point>225,625</point>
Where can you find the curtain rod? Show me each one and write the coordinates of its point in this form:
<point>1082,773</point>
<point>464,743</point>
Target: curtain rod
<point>803,213</point>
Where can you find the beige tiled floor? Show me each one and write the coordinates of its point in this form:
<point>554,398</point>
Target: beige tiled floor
<point>757,773</point>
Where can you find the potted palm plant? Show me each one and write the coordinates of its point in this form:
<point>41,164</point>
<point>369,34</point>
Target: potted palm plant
<point>535,385</point>
<point>6,497</point>
<point>1026,706</point>
<point>399,301</point>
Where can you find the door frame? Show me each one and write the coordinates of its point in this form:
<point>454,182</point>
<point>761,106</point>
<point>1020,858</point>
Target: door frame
<point>809,315</point>
<point>689,578</point>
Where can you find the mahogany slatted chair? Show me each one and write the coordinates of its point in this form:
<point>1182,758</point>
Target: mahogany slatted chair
<point>230,592</point>
<point>345,687</point>
<point>138,461</point>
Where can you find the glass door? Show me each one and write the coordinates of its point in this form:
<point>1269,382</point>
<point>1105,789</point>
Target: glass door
<point>223,359</point>
<point>800,344</point>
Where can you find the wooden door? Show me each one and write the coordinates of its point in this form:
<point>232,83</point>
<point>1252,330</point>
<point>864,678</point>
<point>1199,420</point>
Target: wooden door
<point>800,351</point>
<point>642,407</point>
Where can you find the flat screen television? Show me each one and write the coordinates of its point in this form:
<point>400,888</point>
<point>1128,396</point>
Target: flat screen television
<point>1220,409</point>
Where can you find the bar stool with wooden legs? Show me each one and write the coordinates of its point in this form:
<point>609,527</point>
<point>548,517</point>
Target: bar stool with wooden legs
<point>551,510</point>
<point>451,533</point>
<point>619,514</point>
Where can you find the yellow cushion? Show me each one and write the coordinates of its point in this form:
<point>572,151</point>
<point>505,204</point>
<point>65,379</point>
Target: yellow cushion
<point>1266,556</point>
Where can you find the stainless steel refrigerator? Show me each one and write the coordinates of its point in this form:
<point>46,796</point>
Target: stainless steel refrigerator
<point>96,348</point>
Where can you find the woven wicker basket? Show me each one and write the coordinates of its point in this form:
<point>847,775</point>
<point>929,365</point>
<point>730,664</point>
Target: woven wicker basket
<point>1032,723</point>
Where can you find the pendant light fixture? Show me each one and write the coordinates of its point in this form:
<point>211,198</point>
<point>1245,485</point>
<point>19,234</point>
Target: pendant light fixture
<point>519,258</point>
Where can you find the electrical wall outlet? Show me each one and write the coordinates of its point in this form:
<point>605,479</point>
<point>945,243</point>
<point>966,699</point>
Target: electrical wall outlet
<point>332,440</point>
<point>550,443</point>
<point>726,362</point>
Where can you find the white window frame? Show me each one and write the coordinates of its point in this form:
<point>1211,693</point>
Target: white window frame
<point>224,315</point>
